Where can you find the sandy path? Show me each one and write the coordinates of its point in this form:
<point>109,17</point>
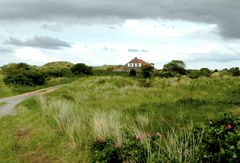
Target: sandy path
<point>12,102</point>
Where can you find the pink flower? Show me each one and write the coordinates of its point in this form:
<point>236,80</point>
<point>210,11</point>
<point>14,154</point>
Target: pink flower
<point>138,137</point>
<point>230,126</point>
<point>158,134</point>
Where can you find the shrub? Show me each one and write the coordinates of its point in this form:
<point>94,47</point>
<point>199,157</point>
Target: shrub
<point>221,140</point>
<point>234,71</point>
<point>146,70</point>
<point>175,66</point>
<point>194,74</point>
<point>133,72</point>
<point>23,74</point>
<point>205,72</point>
<point>81,69</point>
<point>133,150</point>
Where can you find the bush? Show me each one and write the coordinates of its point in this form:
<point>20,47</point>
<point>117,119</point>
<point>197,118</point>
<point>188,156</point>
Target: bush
<point>175,66</point>
<point>220,140</point>
<point>194,74</point>
<point>23,74</point>
<point>205,72</point>
<point>234,71</point>
<point>133,72</point>
<point>81,69</point>
<point>146,70</point>
<point>105,150</point>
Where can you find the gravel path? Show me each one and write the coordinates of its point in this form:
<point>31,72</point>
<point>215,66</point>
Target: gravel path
<point>12,102</point>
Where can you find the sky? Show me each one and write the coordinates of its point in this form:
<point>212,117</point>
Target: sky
<point>202,33</point>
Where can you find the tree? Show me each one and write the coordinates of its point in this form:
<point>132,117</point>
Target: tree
<point>133,72</point>
<point>235,71</point>
<point>175,66</point>
<point>81,68</point>
<point>146,70</point>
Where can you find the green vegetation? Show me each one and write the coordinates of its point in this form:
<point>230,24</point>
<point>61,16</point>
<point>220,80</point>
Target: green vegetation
<point>133,72</point>
<point>147,70</point>
<point>23,74</point>
<point>21,77</point>
<point>57,69</point>
<point>5,91</point>
<point>116,118</point>
<point>2,104</point>
<point>81,69</point>
<point>175,67</point>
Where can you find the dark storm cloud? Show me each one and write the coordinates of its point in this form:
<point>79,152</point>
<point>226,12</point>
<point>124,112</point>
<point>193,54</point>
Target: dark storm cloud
<point>39,41</point>
<point>224,13</point>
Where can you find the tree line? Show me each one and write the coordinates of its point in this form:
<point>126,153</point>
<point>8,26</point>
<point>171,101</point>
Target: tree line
<point>24,74</point>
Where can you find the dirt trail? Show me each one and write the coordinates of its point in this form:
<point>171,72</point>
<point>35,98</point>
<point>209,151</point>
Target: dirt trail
<point>11,102</point>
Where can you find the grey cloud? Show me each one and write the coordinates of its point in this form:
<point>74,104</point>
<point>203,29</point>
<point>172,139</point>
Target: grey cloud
<point>218,57</point>
<point>224,13</point>
<point>137,50</point>
<point>108,49</point>
<point>39,41</point>
<point>4,50</point>
<point>52,27</point>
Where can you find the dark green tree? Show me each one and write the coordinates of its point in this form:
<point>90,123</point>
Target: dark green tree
<point>133,72</point>
<point>175,66</point>
<point>81,69</point>
<point>146,70</point>
<point>234,71</point>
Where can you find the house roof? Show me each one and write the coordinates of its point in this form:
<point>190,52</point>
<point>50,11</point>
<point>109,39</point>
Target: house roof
<point>136,60</point>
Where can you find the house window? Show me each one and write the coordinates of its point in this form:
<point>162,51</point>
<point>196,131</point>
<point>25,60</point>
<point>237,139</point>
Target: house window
<point>130,64</point>
<point>137,64</point>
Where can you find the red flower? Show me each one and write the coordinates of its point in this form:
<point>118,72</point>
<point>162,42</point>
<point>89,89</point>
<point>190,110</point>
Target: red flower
<point>138,137</point>
<point>158,134</point>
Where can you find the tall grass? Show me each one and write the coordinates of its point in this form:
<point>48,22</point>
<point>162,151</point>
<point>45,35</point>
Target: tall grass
<point>5,91</point>
<point>113,107</point>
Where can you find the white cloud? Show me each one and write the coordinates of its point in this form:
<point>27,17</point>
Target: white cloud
<point>33,55</point>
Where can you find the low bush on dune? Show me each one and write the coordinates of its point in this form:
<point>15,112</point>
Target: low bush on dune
<point>220,140</point>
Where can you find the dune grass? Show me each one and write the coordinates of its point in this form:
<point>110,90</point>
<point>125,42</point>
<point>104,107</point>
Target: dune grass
<point>3,104</point>
<point>61,126</point>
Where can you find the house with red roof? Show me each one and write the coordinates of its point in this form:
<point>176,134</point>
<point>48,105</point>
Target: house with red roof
<point>135,63</point>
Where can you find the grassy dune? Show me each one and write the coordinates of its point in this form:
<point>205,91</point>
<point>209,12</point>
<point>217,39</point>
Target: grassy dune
<point>62,126</point>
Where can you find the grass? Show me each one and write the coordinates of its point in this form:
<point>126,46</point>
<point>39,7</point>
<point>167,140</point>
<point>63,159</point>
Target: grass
<point>3,104</point>
<point>61,126</point>
<point>11,90</point>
